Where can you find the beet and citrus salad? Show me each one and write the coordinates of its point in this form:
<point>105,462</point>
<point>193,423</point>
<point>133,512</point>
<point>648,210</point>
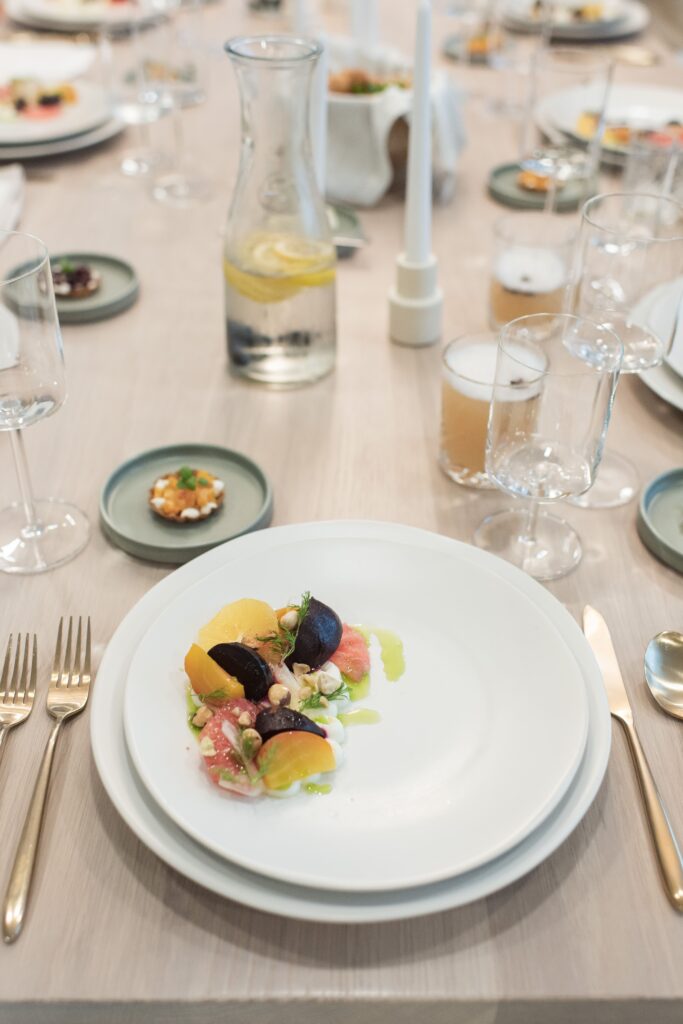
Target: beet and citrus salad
<point>269,690</point>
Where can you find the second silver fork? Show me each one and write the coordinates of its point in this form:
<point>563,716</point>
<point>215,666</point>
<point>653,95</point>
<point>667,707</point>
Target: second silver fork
<point>17,684</point>
<point>67,696</point>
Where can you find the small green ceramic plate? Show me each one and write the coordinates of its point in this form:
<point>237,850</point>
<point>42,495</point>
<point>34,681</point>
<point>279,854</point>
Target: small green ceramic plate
<point>119,289</point>
<point>660,518</point>
<point>128,521</point>
<point>346,229</point>
<point>503,187</point>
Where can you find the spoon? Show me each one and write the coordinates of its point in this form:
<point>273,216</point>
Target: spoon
<point>664,671</point>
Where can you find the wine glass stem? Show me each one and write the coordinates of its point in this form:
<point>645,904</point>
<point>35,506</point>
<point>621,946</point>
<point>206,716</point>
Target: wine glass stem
<point>19,453</point>
<point>528,538</point>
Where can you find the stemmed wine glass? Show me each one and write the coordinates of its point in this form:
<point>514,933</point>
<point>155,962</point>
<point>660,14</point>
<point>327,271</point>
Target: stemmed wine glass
<point>563,128</point>
<point>628,258</point>
<point>556,376</point>
<point>35,534</point>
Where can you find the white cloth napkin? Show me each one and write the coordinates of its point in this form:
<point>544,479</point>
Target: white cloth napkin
<point>12,180</point>
<point>359,169</point>
<point>47,62</point>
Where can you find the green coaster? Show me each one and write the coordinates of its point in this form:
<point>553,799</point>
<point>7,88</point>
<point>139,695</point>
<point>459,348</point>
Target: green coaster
<point>118,290</point>
<point>660,518</point>
<point>503,187</point>
<point>128,521</point>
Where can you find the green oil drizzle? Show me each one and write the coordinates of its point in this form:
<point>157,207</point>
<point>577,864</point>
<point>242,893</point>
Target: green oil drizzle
<point>361,716</point>
<point>358,690</point>
<point>391,649</point>
<point>316,787</point>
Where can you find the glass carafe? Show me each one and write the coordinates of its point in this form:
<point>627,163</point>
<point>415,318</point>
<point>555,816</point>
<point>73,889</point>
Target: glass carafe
<point>279,262</point>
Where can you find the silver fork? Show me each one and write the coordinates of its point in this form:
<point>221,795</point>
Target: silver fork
<point>18,686</point>
<point>67,695</point>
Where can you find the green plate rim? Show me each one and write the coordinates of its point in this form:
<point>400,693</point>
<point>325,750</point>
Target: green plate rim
<point>561,206</point>
<point>72,315</point>
<point>647,531</point>
<point>175,555</point>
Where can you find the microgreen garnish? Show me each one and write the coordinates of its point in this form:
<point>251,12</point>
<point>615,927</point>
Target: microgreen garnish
<point>316,699</point>
<point>66,266</point>
<point>187,481</point>
<point>202,481</point>
<point>220,694</point>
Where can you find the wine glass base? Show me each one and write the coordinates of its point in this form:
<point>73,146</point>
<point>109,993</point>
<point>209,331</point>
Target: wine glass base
<point>138,164</point>
<point>617,482</point>
<point>179,189</point>
<point>62,532</point>
<point>553,552</point>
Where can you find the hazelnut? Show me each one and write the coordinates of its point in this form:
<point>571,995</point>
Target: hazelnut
<point>244,719</point>
<point>327,684</point>
<point>202,716</point>
<point>279,696</point>
<point>290,619</point>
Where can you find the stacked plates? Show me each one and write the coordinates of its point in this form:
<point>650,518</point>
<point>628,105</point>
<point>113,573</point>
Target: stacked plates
<point>617,20</point>
<point>77,125</point>
<point>641,107</point>
<point>663,310</point>
<point>488,753</point>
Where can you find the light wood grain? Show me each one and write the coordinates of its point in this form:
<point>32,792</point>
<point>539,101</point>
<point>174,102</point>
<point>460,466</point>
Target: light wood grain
<point>114,935</point>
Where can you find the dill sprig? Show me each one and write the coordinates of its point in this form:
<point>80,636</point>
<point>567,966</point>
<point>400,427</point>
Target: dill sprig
<point>315,700</point>
<point>284,642</point>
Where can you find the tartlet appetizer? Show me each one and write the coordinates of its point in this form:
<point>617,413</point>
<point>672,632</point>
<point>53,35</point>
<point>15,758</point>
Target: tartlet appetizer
<point>268,694</point>
<point>359,82</point>
<point>74,281</point>
<point>186,496</point>
<point>532,181</point>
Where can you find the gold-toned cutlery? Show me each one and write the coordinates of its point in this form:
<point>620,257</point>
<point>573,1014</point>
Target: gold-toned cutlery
<point>664,671</point>
<point>17,684</point>
<point>67,695</point>
<point>666,847</point>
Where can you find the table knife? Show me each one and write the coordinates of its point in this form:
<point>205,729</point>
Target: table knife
<point>666,847</point>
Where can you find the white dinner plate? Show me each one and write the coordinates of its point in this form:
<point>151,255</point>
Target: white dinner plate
<point>50,62</point>
<point>17,10</point>
<point>664,380</point>
<point>633,17</point>
<point>90,110</point>
<point>663,311</point>
<point>79,13</point>
<point>179,851</point>
<point>641,106</point>
<point>39,150</point>
<point>477,743</point>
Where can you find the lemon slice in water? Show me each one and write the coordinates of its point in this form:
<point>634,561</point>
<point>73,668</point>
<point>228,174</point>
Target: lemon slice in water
<point>274,267</point>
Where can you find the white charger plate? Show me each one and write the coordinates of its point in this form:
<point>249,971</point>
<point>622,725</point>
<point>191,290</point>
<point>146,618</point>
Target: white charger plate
<point>179,851</point>
<point>477,743</point>
<point>641,106</point>
<point>72,144</point>
<point>90,110</point>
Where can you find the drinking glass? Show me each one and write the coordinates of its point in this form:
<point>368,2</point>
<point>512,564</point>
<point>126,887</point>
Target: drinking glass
<point>468,374</point>
<point>134,90</point>
<point>531,264</point>
<point>562,133</point>
<point>562,372</point>
<point>654,164</point>
<point>35,534</point>
<point>178,181</point>
<point>629,251</point>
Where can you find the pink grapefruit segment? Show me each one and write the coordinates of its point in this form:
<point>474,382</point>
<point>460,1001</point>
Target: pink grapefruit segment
<point>352,656</point>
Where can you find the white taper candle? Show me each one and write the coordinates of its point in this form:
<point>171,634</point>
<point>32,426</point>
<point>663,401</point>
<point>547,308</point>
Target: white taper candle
<point>419,186</point>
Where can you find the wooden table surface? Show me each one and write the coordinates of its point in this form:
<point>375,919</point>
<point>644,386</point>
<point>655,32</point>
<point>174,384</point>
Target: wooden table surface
<point>115,935</point>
